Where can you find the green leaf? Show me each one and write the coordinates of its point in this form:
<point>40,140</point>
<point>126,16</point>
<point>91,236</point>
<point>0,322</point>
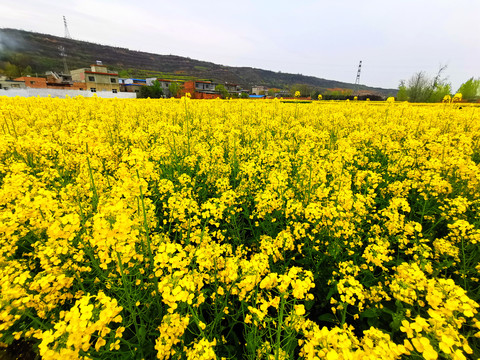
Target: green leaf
<point>327,317</point>
<point>309,304</point>
<point>369,313</point>
<point>397,321</point>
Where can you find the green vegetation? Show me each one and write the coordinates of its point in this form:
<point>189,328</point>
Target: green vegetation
<point>304,89</point>
<point>174,88</point>
<point>124,74</point>
<point>470,89</point>
<point>154,92</point>
<point>223,92</point>
<point>423,88</point>
<point>14,65</point>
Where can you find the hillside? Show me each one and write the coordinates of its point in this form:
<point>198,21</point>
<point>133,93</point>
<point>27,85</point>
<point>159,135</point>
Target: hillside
<point>41,53</point>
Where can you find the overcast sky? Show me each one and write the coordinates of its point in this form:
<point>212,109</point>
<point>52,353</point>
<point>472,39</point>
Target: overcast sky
<point>327,39</point>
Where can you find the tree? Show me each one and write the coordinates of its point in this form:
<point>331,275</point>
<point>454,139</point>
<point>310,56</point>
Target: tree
<point>244,95</point>
<point>304,89</point>
<point>173,89</point>
<point>223,92</point>
<point>272,91</point>
<point>422,88</point>
<point>16,65</point>
<point>154,92</point>
<point>439,92</point>
<point>402,94</point>
<point>470,89</point>
<point>12,71</point>
<point>419,87</point>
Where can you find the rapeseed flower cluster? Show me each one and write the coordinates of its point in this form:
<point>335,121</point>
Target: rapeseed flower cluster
<point>189,229</point>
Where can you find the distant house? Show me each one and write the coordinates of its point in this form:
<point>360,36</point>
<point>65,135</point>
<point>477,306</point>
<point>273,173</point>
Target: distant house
<point>11,84</point>
<point>63,81</point>
<point>59,78</point>
<point>98,78</point>
<point>234,89</point>
<point>52,81</point>
<point>164,84</point>
<point>282,93</point>
<point>200,89</point>
<point>33,82</point>
<point>131,85</point>
<point>259,90</point>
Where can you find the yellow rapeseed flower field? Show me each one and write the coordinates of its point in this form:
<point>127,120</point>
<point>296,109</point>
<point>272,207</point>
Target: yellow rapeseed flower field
<point>184,229</point>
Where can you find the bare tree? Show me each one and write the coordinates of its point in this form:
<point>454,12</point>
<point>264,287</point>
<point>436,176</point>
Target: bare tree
<point>422,88</point>
<point>419,87</point>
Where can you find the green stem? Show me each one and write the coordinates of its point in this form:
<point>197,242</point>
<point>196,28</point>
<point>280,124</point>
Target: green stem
<point>145,224</point>
<point>279,328</point>
<point>129,302</point>
<point>94,188</point>
<point>464,275</point>
<point>344,314</point>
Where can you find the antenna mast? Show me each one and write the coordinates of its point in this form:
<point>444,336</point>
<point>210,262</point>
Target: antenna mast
<point>67,33</point>
<point>357,80</point>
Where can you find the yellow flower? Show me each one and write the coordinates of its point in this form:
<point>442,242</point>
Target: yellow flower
<point>457,97</point>
<point>299,310</point>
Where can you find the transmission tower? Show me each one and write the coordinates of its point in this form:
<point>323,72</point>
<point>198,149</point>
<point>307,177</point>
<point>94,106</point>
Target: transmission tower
<point>67,33</point>
<point>357,80</point>
<point>64,57</point>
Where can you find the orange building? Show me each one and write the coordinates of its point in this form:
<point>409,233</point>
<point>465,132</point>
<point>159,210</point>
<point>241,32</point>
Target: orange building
<point>53,81</point>
<point>33,82</point>
<point>200,89</point>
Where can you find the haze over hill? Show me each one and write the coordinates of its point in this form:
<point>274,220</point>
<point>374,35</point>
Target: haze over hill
<point>41,52</point>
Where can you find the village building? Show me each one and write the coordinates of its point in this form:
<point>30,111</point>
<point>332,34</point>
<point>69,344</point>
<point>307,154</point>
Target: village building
<point>281,93</point>
<point>234,89</point>
<point>164,84</point>
<point>200,89</point>
<point>52,80</point>
<point>97,78</point>
<point>131,85</point>
<point>259,90</point>
<point>11,84</point>
<point>33,82</point>
<point>63,81</point>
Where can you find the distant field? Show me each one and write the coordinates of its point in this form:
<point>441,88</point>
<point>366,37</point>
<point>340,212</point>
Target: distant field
<point>258,229</point>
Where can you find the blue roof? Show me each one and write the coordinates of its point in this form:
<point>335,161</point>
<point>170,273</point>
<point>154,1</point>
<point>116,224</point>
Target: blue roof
<point>256,96</point>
